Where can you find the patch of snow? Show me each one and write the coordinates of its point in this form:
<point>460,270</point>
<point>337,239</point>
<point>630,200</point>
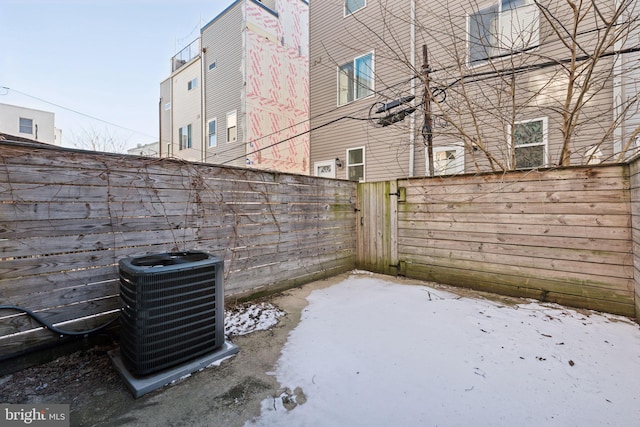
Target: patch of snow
<point>178,380</point>
<point>370,352</point>
<point>362,272</point>
<point>245,319</point>
<point>219,362</point>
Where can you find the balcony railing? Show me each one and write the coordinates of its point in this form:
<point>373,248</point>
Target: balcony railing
<point>185,55</point>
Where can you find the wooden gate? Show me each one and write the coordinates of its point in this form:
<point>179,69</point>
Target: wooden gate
<point>377,235</point>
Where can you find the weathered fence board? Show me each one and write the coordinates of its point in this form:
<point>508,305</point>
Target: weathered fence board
<point>519,246</point>
<point>499,206</point>
<point>67,217</point>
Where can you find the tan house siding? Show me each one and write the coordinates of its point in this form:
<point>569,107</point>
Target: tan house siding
<point>627,84</point>
<point>485,101</point>
<point>335,40</point>
<point>187,106</point>
<point>498,101</point>
<point>223,40</point>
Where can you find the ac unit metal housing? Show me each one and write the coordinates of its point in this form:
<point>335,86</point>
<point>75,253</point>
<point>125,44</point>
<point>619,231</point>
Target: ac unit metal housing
<point>172,309</point>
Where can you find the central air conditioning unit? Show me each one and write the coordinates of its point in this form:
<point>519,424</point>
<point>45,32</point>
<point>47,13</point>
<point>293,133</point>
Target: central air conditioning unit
<point>172,309</point>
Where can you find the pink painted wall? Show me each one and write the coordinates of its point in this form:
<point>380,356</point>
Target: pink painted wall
<point>277,94</point>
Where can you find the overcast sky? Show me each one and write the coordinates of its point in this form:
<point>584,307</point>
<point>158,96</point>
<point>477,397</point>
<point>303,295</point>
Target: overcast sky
<point>101,58</point>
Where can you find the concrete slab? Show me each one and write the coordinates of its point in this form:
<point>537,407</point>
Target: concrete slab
<point>140,386</point>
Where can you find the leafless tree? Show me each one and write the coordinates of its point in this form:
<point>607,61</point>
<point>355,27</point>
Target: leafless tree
<point>496,68</point>
<point>94,139</point>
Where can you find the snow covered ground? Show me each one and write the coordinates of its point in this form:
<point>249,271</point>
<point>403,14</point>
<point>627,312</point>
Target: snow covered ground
<point>369,352</point>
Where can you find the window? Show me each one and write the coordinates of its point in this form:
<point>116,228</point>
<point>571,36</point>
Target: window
<point>530,143</point>
<point>185,137</point>
<point>355,79</point>
<point>355,164</point>
<point>212,66</point>
<point>167,106</point>
<point>192,84</point>
<point>351,6</point>
<point>232,126</point>
<point>448,160</point>
<point>326,169</point>
<point>213,133</point>
<point>26,125</point>
<point>505,26</point>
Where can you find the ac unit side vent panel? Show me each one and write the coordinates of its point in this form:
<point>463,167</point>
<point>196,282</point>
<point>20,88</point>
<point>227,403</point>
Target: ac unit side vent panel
<point>172,309</point>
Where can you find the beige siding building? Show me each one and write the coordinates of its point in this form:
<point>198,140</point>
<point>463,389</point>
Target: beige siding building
<point>509,89</point>
<point>352,69</point>
<point>627,85</point>
<point>243,89</point>
<point>29,123</point>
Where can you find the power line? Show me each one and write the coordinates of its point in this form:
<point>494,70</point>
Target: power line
<point>544,43</point>
<point>295,136</point>
<point>476,76</point>
<point>376,92</point>
<point>526,68</point>
<point>79,112</point>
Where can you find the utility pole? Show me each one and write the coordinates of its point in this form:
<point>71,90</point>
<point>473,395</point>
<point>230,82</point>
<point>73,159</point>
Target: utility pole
<point>427,128</point>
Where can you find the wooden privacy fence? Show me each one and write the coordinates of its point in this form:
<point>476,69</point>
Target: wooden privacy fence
<point>559,235</point>
<point>67,217</point>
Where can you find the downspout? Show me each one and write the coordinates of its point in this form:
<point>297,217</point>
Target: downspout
<point>412,121</point>
<point>160,103</point>
<point>203,100</point>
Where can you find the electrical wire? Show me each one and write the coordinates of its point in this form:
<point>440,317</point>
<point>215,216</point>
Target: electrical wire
<point>79,112</point>
<point>50,326</point>
<point>317,116</point>
<point>441,92</point>
<point>295,136</point>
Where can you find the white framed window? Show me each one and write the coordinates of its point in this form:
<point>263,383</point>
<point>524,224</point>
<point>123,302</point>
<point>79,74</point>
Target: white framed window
<point>355,79</point>
<point>355,164</point>
<point>232,126</point>
<point>212,65</point>
<point>326,168</point>
<point>351,6</point>
<point>167,106</point>
<point>448,160</point>
<point>26,125</point>
<point>185,137</point>
<point>192,84</point>
<point>502,27</point>
<point>529,143</point>
<point>212,132</point>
